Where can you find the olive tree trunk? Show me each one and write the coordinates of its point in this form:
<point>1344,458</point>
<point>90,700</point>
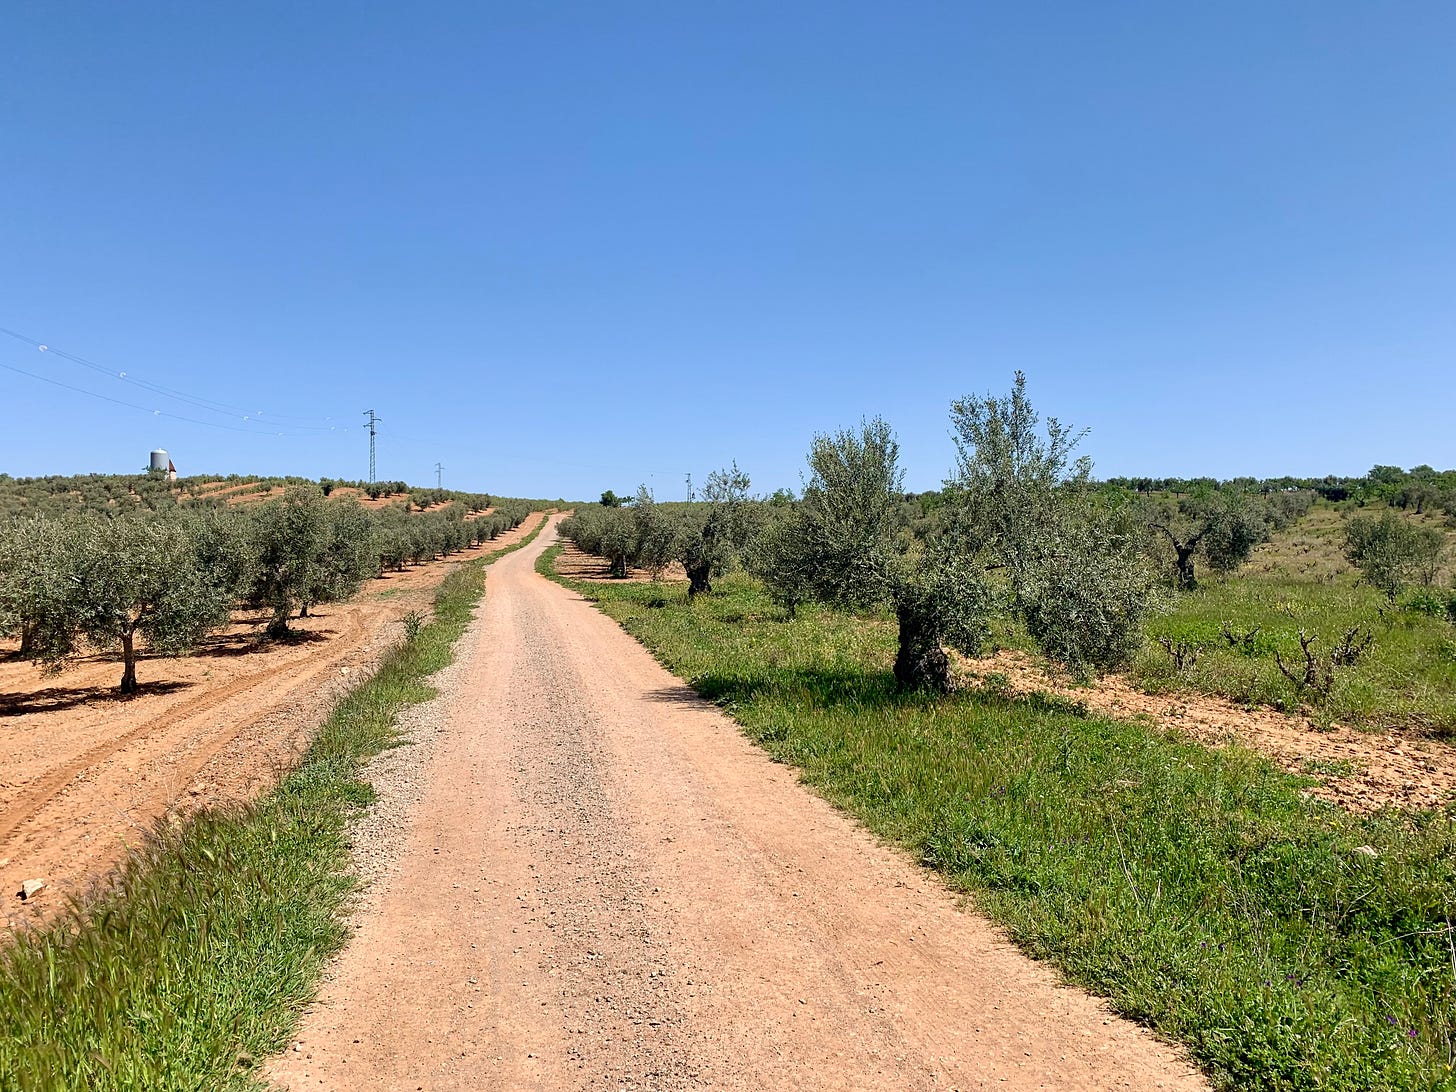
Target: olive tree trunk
<point>128,659</point>
<point>1186,576</point>
<point>699,578</point>
<point>920,663</point>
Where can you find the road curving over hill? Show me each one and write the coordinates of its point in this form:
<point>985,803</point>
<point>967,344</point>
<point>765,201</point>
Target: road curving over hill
<point>604,885</point>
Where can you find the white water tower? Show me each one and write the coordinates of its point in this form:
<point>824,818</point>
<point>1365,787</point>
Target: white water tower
<point>162,463</point>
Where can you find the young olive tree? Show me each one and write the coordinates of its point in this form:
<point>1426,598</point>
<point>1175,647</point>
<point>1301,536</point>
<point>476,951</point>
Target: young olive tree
<point>1392,552</point>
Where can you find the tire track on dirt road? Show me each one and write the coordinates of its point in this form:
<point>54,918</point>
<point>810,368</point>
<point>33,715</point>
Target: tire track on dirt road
<point>604,885</point>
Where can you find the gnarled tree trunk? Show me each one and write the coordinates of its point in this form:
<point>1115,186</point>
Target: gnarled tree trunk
<point>1185,551</point>
<point>699,578</point>
<point>920,663</point>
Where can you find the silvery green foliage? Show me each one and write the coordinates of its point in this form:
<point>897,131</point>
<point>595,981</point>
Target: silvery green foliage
<point>941,598</point>
<point>654,534</point>
<point>348,554</point>
<point>1011,475</point>
<point>1391,552</point>
<point>38,578</point>
<point>847,543</point>
<point>139,577</point>
<point>849,534</point>
<point>1221,525</point>
<point>1072,572</point>
<point>782,555</point>
<point>713,534</point>
<point>1087,591</point>
<point>288,537</point>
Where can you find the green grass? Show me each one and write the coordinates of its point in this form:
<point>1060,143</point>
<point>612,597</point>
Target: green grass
<point>195,966</point>
<point>1300,580</point>
<point>1199,890</point>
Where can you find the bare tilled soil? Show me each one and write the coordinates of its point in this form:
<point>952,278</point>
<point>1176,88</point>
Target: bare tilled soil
<point>87,773</point>
<point>1360,771</point>
<point>575,564</point>
<point>592,880</point>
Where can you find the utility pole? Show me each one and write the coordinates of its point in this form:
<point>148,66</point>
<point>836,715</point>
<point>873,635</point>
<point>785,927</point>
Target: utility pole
<point>438,470</point>
<point>370,426</point>
<point>690,487</point>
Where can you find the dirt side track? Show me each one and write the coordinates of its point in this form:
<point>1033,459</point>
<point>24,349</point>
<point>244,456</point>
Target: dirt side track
<point>605,886</point>
<point>86,774</point>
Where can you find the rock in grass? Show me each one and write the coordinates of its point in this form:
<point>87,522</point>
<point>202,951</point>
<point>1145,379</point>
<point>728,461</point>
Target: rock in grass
<point>28,888</point>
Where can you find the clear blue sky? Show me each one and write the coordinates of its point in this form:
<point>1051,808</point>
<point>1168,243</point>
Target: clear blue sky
<point>564,247</point>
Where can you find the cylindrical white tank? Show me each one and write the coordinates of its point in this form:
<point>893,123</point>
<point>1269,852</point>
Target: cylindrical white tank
<point>159,460</point>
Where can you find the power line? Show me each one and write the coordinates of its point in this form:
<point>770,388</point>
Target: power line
<point>439,472</point>
<point>134,405</point>
<point>207,404</point>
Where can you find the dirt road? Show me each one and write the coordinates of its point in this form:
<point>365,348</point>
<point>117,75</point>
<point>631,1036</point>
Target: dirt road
<point>605,886</point>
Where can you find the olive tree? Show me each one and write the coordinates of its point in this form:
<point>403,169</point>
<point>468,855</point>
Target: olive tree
<point>130,579</point>
<point>347,556</point>
<point>713,534</point>
<point>37,578</point>
<point>654,536</point>
<point>289,536</point>
<point>1391,552</point>
<point>1221,525</point>
<point>847,544</point>
<point>1070,569</point>
<point>1020,533</point>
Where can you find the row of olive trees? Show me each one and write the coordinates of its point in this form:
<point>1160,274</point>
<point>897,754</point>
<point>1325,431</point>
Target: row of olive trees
<point>1021,535</point>
<point>1018,531</point>
<point>707,537</point>
<point>165,579</point>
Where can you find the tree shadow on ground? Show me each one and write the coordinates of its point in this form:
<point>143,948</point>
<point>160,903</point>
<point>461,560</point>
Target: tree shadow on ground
<point>850,690</point>
<point>820,686</point>
<point>243,644</point>
<point>54,698</point>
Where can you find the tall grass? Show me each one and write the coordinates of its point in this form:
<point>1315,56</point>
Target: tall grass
<point>1287,944</point>
<point>196,963</point>
<point>1406,680</point>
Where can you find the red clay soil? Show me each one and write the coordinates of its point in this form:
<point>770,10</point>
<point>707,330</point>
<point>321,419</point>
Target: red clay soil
<point>1360,771</point>
<point>604,885</point>
<point>575,564</point>
<point>87,773</point>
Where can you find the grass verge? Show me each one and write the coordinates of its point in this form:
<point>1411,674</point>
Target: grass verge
<point>194,966</point>
<point>1287,944</point>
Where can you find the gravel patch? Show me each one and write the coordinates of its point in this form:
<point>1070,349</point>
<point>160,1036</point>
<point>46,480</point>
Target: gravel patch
<point>400,776</point>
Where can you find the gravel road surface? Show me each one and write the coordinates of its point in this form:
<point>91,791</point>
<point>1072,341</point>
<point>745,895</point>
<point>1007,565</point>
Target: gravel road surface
<point>588,879</point>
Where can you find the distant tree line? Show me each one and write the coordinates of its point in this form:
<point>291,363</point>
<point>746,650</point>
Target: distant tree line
<point>1419,489</point>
